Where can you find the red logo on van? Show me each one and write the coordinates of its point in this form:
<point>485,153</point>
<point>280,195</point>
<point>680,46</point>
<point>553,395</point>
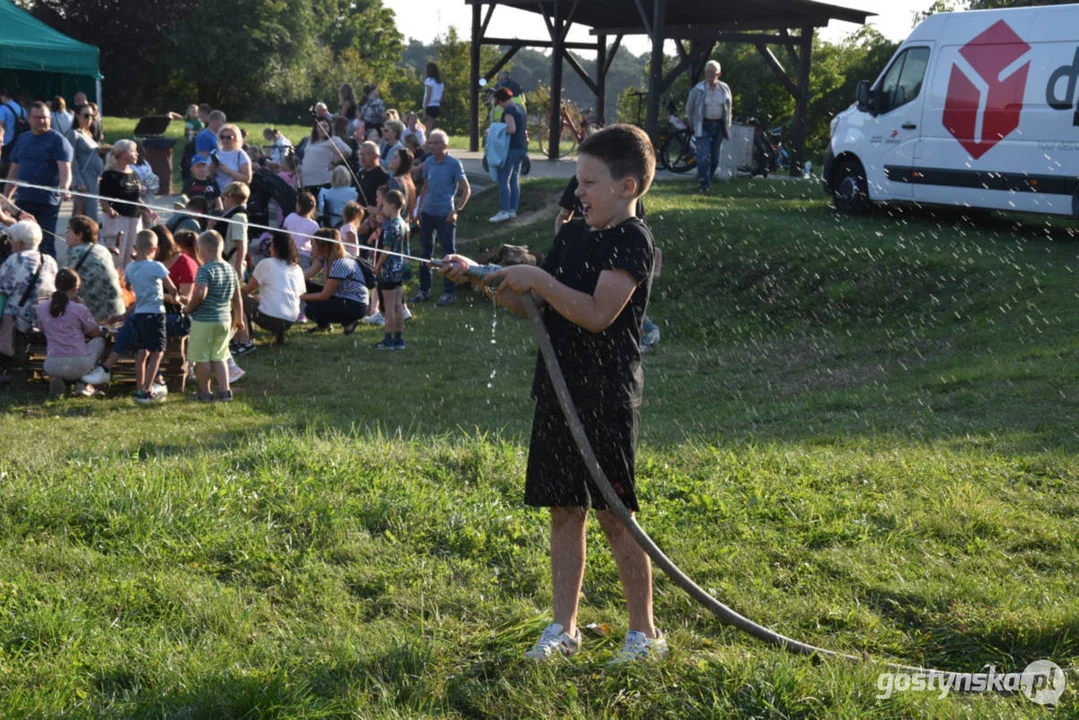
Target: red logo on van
<point>981,111</point>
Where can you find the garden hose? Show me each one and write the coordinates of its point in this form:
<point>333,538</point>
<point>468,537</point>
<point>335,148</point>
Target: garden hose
<point>646,543</point>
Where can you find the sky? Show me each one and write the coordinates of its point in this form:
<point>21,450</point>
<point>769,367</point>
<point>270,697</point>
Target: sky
<point>424,19</point>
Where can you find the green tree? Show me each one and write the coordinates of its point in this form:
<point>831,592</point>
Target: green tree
<point>954,5</point>
<point>233,55</point>
<point>133,36</point>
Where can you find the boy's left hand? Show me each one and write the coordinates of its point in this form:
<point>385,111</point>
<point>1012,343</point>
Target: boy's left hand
<point>518,279</point>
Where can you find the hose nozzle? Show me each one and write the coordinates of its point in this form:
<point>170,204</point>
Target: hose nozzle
<point>476,272</point>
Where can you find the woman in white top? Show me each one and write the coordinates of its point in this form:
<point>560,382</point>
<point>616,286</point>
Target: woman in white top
<point>279,145</point>
<point>413,127</point>
<point>279,282</point>
<point>433,87</point>
<point>229,161</point>
<point>323,153</point>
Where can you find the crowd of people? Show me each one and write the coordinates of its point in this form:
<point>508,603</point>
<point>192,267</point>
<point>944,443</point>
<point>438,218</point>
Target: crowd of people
<point>353,185</point>
<point>366,178</point>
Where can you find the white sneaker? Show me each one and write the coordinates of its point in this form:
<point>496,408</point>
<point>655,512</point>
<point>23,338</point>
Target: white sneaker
<point>638,646</point>
<point>376,319</point>
<point>502,216</point>
<point>511,214</point>
<point>408,313</point>
<point>98,376</point>
<point>553,641</point>
<point>236,373</point>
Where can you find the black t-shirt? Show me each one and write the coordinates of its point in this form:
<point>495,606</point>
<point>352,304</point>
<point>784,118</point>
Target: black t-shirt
<point>570,201</point>
<point>116,187</point>
<point>207,188</point>
<point>370,181</point>
<point>601,369</point>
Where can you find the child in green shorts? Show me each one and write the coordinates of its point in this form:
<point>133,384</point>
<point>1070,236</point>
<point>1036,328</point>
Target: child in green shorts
<point>215,312</point>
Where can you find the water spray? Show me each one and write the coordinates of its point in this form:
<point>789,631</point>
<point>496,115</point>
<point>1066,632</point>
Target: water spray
<point>482,273</point>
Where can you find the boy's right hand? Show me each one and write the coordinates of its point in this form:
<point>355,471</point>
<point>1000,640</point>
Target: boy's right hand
<point>455,267</point>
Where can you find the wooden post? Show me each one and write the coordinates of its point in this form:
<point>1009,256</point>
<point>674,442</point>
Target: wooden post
<point>601,78</point>
<point>555,119</point>
<point>801,112</point>
<point>655,79</point>
<point>474,81</point>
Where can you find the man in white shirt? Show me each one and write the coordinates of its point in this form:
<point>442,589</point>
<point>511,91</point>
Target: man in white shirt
<point>709,113</point>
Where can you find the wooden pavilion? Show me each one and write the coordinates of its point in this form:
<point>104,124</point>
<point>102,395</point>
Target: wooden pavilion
<point>695,26</point>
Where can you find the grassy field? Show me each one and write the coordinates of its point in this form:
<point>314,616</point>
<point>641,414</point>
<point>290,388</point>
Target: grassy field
<point>860,432</point>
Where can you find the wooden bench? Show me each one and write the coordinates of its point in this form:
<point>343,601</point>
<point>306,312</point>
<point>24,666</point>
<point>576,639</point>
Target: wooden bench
<point>173,363</point>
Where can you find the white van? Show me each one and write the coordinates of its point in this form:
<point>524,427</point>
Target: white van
<point>977,109</point>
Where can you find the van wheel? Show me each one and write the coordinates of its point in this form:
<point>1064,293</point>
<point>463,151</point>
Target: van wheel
<point>850,191</point>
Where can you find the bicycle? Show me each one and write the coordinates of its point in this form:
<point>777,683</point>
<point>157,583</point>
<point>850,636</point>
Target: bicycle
<point>675,149</point>
<point>570,135</point>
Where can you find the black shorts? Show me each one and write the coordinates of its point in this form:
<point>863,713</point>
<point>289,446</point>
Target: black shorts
<point>389,285</point>
<point>432,111</point>
<point>557,475</point>
<point>149,331</point>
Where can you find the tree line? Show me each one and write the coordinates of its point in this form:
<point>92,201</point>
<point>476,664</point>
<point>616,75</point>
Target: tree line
<point>271,59</point>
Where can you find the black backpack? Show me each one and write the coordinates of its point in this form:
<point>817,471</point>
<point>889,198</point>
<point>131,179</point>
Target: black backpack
<point>22,124</point>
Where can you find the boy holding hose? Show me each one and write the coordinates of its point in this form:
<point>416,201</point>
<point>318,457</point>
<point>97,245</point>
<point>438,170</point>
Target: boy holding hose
<point>593,291</point>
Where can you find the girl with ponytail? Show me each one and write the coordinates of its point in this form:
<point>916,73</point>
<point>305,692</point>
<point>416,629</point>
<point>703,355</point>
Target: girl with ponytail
<point>67,284</point>
<point>66,324</point>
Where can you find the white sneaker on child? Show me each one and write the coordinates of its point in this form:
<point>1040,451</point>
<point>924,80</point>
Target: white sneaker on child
<point>98,376</point>
<point>376,319</point>
<point>639,646</point>
<point>236,373</point>
<point>553,642</point>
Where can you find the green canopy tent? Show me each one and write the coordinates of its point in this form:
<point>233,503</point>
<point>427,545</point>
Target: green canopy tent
<point>40,62</point>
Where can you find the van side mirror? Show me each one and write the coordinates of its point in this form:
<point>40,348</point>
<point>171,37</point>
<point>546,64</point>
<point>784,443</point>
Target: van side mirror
<point>862,96</point>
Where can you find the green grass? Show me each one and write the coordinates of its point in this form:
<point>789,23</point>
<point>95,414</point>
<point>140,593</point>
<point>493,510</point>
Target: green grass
<point>860,432</point>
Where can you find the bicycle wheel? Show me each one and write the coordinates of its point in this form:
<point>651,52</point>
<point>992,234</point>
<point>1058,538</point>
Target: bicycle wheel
<point>567,142</point>
<point>678,154</point>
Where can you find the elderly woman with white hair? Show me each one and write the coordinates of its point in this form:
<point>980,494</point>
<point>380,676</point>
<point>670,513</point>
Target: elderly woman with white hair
<point>709,113</point>
<point>120,189</point>
<point>332,200</point>
<point>27,278</point>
